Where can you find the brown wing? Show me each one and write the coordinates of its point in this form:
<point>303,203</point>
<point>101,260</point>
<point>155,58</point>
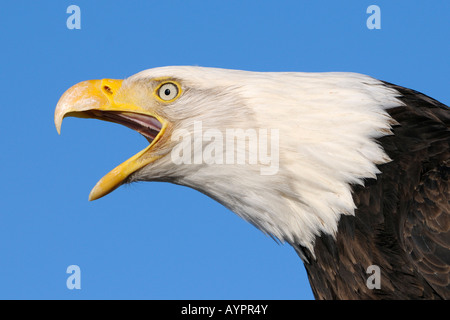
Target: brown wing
<point>425,138</point>
<point>427,229</point>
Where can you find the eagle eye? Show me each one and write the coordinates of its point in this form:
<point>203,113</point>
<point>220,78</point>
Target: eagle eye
<point>168,91</point>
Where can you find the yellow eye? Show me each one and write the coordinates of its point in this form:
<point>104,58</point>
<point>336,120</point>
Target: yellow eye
<point>168,91</point>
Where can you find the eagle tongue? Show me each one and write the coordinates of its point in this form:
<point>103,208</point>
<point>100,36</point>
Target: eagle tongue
<point>146,125</point>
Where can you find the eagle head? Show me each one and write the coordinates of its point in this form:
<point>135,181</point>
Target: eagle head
<point>281,150</point>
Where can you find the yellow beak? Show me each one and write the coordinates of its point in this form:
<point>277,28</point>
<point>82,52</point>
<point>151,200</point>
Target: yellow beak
<point>96,99</point>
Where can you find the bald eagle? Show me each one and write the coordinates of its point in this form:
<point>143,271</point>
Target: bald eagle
<point>351,171</point>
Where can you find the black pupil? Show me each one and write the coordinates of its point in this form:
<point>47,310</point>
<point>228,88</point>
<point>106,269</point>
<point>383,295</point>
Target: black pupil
<point>167,92</point>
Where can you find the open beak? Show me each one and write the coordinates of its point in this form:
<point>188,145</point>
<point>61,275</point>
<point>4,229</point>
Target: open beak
<point>96,99</point>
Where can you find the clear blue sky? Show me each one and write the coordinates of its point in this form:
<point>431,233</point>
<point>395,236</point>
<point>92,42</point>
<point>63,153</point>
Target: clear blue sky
<point>156,240</point>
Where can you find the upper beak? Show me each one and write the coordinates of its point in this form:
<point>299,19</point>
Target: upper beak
<point>97,99</point>
<point>86,95</point>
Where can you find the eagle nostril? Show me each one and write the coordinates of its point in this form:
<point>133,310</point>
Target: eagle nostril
<point>108,90</point>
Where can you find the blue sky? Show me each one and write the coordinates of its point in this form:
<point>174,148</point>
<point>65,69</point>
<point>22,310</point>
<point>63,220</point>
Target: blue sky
<point>156,240</point>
